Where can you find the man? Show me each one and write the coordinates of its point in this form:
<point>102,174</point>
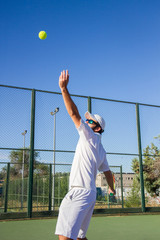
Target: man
<point>77,207</point>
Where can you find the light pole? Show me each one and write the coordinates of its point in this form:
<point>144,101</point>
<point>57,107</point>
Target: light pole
<point>54,153</point>
<point>24,134</point>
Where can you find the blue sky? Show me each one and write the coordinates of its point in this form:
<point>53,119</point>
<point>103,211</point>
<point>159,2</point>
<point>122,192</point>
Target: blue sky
<point>111,47</point>
<point>112,50</point>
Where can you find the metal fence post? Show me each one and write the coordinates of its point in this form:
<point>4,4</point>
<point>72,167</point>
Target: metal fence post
<point>31,161</point>
<point>140,158</point>
<point>7,187</point>
<point>121,174</point>
<point>89,104</point>
<point>50,187</point>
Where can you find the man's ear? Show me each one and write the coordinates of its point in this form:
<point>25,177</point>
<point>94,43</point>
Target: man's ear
<point>97,129</point>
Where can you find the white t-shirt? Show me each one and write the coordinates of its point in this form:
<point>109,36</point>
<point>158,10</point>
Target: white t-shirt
<point>90,156</point>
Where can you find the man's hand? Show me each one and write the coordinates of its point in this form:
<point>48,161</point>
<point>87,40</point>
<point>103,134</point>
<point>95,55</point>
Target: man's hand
<point>63,79</point>
<point>112,191</point>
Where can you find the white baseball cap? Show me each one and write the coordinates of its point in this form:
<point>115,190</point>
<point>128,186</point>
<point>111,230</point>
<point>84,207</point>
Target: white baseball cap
<point>97,118</point>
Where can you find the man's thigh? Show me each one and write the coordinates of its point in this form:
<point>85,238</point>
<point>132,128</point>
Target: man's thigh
<point>73,211</point>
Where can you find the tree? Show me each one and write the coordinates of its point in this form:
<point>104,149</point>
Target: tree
<point>151,168</point>
<point>134,197</point>
<point>16,160</point>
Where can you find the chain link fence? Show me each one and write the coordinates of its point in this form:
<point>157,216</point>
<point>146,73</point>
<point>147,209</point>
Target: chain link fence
<point>37,146</point>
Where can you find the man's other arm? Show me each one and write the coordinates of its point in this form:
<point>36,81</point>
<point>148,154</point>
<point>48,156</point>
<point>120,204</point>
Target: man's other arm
<point>109,178</point>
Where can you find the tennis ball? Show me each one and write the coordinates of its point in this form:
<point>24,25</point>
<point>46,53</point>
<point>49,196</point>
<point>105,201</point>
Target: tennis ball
<point>42,35</point>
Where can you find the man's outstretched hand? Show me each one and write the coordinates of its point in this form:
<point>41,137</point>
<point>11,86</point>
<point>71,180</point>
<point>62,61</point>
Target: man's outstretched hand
<point>63,79</point>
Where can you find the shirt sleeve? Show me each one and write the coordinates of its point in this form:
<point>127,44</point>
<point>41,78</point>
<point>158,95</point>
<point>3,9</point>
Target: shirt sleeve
<point>104,166</point>
<point>85,131</point>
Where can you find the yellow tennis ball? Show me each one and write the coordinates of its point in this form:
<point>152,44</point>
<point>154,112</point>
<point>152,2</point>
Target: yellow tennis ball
<point>42,35</point>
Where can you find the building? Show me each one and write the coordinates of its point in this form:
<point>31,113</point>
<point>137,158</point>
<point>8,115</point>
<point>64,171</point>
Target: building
<point>127,183</point>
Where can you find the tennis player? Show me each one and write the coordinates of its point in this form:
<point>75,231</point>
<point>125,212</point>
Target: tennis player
<point>77,206</point>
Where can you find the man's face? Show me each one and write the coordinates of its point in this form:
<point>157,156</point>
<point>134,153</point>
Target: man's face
<point>93,124</point>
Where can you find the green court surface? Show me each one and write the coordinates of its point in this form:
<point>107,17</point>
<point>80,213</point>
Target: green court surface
<point>135,227</point>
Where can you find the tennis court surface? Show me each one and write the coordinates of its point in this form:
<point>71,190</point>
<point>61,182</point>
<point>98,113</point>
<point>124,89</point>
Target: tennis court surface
<point>135,227</point>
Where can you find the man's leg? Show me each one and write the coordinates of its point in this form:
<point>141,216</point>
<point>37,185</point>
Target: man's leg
<point>76,210</point>
<point>64,238</point>
<point>85,224</point>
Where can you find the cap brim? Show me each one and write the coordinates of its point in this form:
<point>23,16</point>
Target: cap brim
<point>89,115</point>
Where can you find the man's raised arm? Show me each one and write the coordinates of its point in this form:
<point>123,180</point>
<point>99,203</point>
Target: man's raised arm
<point>70,105</point>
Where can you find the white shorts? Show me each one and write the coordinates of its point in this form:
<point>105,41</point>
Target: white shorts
<point>75,213</point>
